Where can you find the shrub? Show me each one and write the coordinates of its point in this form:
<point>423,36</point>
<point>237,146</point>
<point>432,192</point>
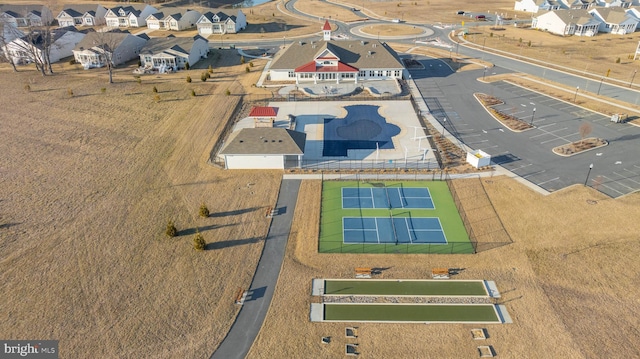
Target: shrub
<point>228,92</point>
<point>242,60</point>
<point>189,79</point>
<point>70,92</point>
<point>103,90</point>
<point>27,87</point>
<point>250,63</point>
<point>204,211</point>
<point>155,89</point>
<point>139,80</point>
<point>198,242</point>
<point>72,62</point>
<point>193,93</point>
<point>210,70</point>
<point>171,230</point>
<point>203,76</point>
<point>529,43</point>
<point>618,60</point>
<point>156,98</point>
<point>139,63</point>
<point>246,69</point>
<point>187,66</point>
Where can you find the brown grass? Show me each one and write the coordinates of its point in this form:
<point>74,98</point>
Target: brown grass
<point>566,286</point>
<point>88,185</point>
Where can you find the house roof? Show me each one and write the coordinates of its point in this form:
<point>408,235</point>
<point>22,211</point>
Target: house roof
<point>263,111</point>
<point>314,67</point>
<point>21,10</point>
<point>80,8</point>
<point>266,141</point>
<point>573,16</point>
<point>221,15</point>
<point>612,15</point>
<point>356,54</point>
<point>36,38</point>
<point>170,44</point>
<point>72,13</point>
<point>326,26</point>
<point>157,15</point>
<point>94,39</point>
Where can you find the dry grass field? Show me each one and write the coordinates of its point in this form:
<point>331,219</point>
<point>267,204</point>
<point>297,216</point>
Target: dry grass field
<point>88,183</point>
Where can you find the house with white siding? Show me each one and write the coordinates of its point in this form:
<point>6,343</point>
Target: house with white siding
<point>614,20</point>
<point>221,23</point>
<point>264,148</point>
<point>129,16</point>
<point>173,53</point>
<point>31,47</point>
<point>82,15</point>
<point>26,15</point>
<point>98,47</point>
<point>533,6</point>
<point>576,22</point>
<point>335,61</point>
<point>177,21</point>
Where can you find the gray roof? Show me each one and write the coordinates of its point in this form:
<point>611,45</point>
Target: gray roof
<point>352,53</point>
<point>21,10</point>
<point>266,141</point>
<point>160,44</point>
<point>612,15</point>
<point>94,39</point>
<point>80,8</point>
<point>574,16</point>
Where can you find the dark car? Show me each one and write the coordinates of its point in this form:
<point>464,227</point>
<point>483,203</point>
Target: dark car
<point>460,12</point>
<point>480,17</point>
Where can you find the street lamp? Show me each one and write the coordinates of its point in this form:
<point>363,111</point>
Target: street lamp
<point>533,115</point>
<point>485,73</point>
<point>588,173</point>
<point>602,79</point>
<point>576,95</point>
<point>444,123</point>
<point>284,38</point>
<point>632,77</point>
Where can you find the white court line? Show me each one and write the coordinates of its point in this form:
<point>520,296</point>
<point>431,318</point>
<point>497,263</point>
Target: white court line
<point>553,179</point>
<point>406,224</point>
<point>377,232</point>
<point>609,187</point>
<point>373,201</point>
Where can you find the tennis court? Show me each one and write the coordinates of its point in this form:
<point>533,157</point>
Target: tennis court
<point>394,197</point>
<point>391,217</point>
<point>393,230</point>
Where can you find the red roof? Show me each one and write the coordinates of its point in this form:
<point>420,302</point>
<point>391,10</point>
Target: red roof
<point>259,111</point>
<point>312,67</point>
<point>326,25</point>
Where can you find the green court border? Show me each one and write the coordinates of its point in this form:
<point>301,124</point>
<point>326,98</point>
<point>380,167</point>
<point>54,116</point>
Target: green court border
<point>414,288</point>
<point>331,240</point>
<point>411,313</point>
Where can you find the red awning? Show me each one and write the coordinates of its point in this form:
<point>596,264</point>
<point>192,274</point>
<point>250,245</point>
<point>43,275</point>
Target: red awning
<point>313,67</point>
<point>260,111</point>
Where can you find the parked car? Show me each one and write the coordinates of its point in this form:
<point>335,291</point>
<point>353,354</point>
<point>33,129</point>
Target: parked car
<point>460,12</point>
<point>395,20</point>
<point>481,17</point>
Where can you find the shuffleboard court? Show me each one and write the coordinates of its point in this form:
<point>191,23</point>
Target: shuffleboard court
<point>388,197</point>
<point>411,313</point>
<point>458,288</point>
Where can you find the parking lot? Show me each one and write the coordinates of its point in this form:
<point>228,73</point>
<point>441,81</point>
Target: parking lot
<point>615,169</point>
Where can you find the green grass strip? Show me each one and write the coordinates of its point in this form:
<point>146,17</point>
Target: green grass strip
<point>417,288</point>
<point>411,313</point>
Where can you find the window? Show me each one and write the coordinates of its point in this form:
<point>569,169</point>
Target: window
<point>292,74</point>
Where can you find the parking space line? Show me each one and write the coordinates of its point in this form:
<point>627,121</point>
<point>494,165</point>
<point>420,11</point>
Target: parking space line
<point>534,173</point>
<point>547,181</point>
<point>624,178</point>
<point>609,187</point>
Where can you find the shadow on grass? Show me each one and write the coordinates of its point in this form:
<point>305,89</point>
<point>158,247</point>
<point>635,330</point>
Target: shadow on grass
<point>234,213</point>
<point>231,243</point>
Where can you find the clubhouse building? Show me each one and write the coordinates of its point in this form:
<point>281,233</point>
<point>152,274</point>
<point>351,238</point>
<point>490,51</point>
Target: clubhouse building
<point>335,61</point>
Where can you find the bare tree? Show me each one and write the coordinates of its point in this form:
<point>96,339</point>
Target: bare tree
<point>8,33</point>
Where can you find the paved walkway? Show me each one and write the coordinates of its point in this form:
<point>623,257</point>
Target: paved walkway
<point>249,321</point>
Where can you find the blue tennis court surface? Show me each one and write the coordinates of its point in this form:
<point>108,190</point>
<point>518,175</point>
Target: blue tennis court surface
<point>422,230</point>
<point>390,197</point>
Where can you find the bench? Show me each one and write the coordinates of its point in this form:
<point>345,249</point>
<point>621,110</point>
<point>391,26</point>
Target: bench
<point>440,273</point>
<point>363,272</point>
<point>240,295</point>
<point>269,212</point>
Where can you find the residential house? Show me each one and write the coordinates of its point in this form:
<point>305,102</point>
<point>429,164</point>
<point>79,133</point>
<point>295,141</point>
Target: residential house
<point>583,4</point>
<point>567,22</point>
<point>177,21</point>
<point>614,20</point>
<point>173,53</point>
<point>533,6</point>
<point>26,15</point>
<point>336,61</point>
<point>99,47</point>
<point>82,15</point>
<point>129,16</point>
<point>33,46</point>
<point>264,148</point>
<point>615,3</point>
<point>635,13</point>
<point>221,23</point>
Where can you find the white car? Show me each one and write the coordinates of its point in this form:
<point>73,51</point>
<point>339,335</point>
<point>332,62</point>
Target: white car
<point>395,20</point>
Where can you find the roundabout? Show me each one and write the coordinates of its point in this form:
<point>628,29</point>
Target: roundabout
<point>390,31</point>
